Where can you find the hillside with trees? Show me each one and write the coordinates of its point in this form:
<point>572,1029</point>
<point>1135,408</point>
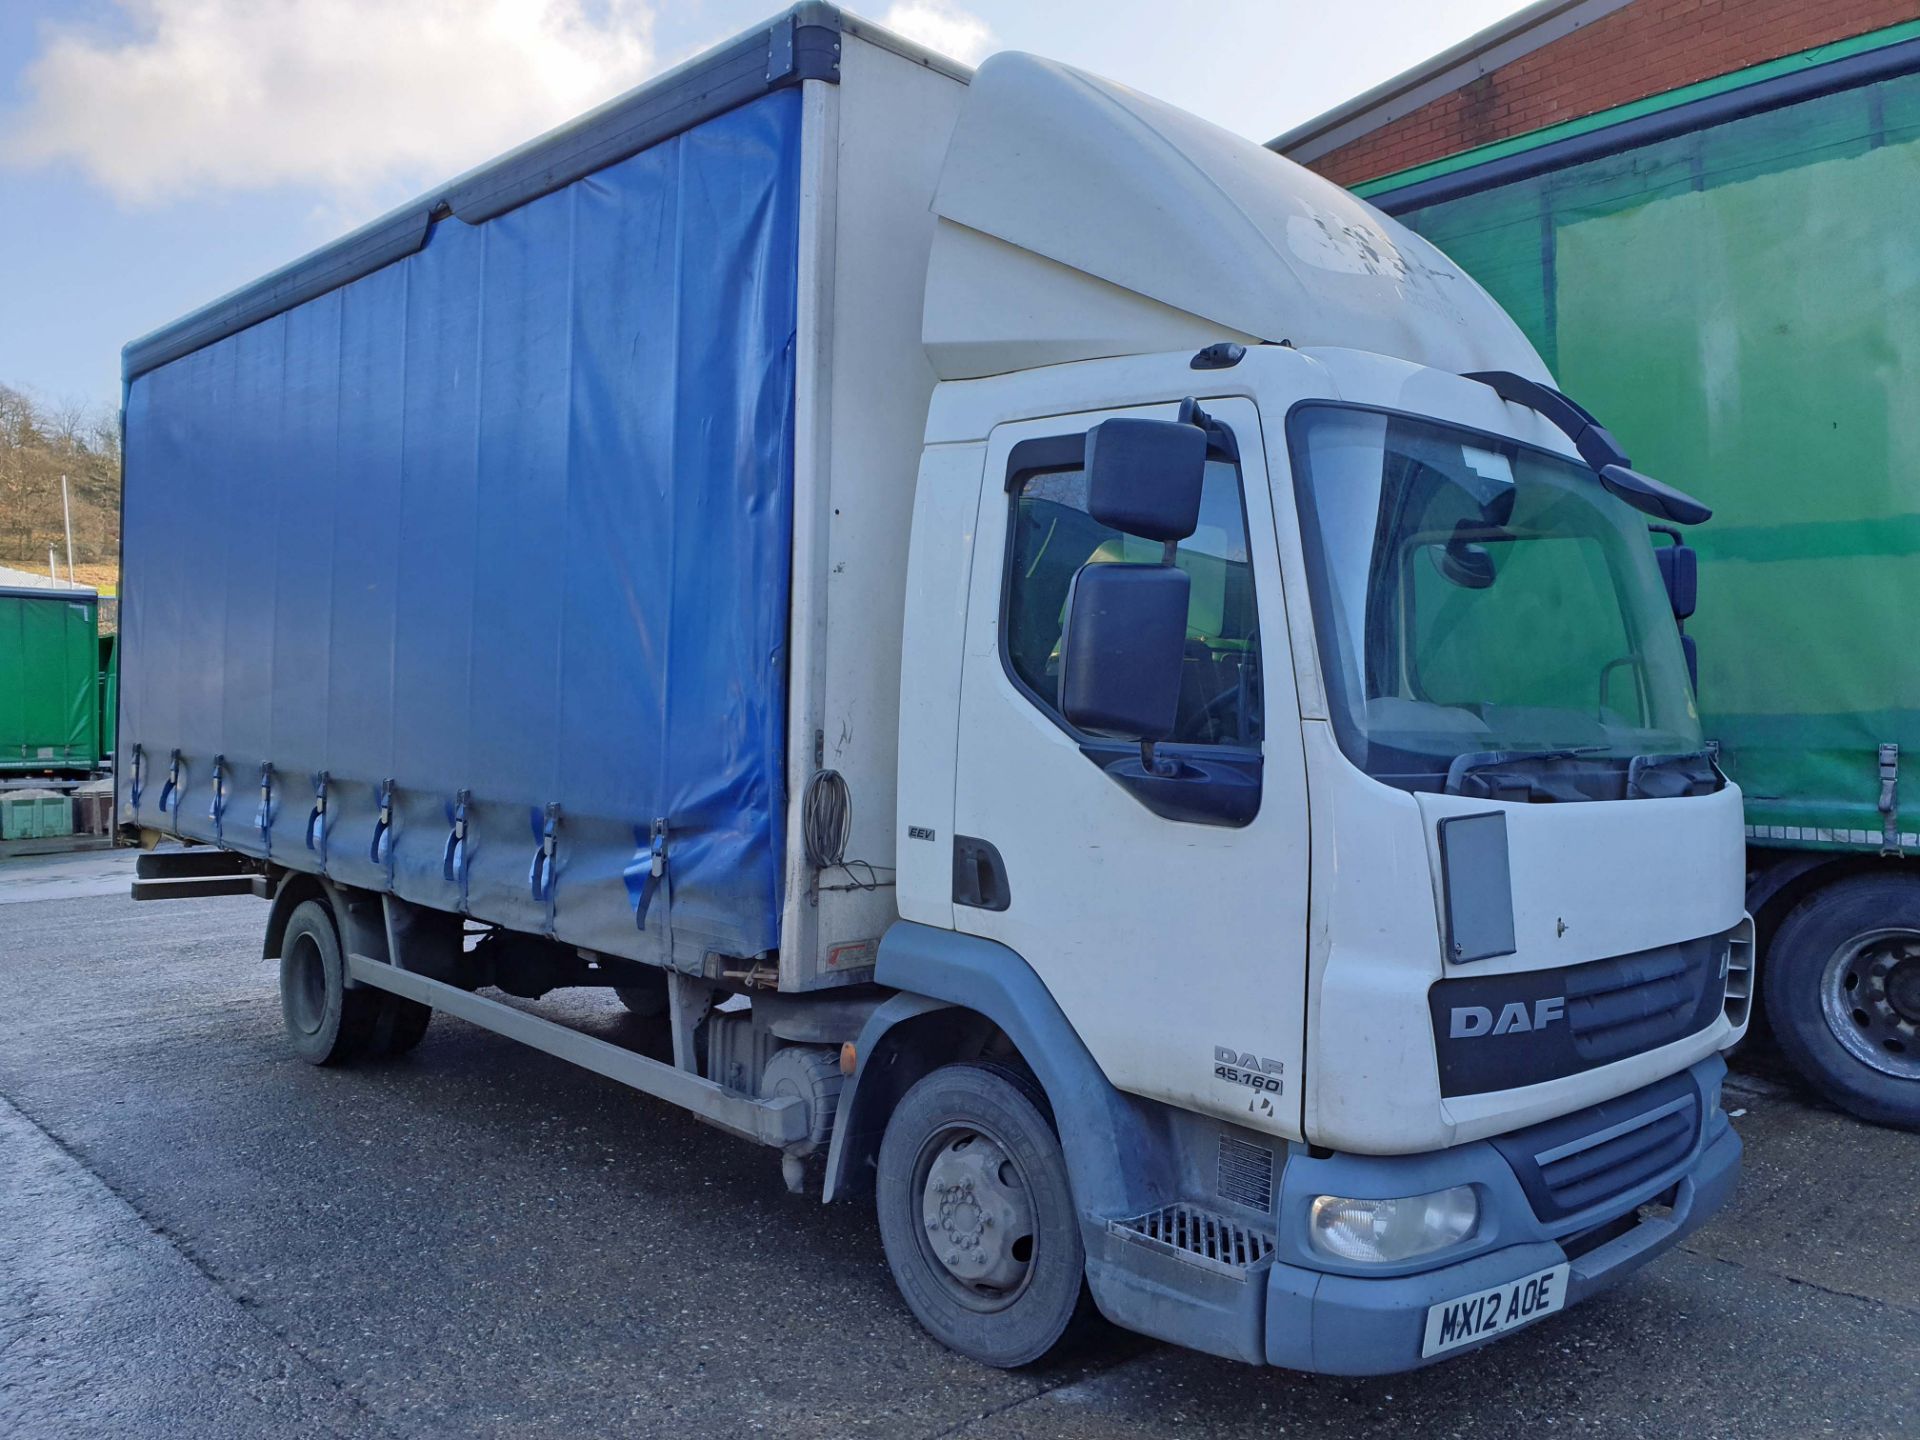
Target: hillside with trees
<point>39,442</point>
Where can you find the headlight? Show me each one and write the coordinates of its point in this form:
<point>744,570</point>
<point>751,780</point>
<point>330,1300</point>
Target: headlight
<point>1383,1232</point>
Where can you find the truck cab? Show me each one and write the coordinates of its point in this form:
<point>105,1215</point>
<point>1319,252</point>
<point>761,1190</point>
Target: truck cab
<point>1422,902</point>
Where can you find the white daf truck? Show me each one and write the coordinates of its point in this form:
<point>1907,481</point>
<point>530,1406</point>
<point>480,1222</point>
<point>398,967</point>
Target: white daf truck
<point>1078,680</point>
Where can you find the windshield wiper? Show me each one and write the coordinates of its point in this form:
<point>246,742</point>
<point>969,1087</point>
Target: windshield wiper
<point>1476,761</point>
<point>1664,785</point>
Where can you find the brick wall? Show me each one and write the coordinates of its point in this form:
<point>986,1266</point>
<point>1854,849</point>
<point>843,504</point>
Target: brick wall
<point>1646,48</point>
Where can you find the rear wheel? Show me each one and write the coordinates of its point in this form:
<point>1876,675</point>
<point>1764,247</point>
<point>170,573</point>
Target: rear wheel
<point>1843,992</point>
<point>400,1025</point>
<point>977,1218</point>
<point>646,998</point>
<point>327,1024</point>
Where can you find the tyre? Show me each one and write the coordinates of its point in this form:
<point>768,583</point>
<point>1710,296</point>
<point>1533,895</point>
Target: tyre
<point>977,1218</point>
<point>1842,984</point>
<point>326,1023</point>
<point>647,999</point>
<point>399,1025</point>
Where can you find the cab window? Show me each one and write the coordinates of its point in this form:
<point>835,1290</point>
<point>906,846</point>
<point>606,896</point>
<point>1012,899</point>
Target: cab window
<point>1052,536</point>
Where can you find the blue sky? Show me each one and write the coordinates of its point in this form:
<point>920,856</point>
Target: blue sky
<point>155,154</point>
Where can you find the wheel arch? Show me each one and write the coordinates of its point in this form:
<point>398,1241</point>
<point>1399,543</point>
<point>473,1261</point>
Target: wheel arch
<point>355,914</point>
<point>295,889</point>
<point>1779,880</point>
<point>961,997</point>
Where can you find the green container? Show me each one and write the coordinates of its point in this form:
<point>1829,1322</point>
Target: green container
<point>109,691</point>
<point>34,815</point>
<point>1740,305</point>
<point>49,681</point>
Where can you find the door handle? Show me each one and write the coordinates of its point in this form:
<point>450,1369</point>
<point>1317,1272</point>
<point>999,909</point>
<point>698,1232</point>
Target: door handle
<point>979,874</point>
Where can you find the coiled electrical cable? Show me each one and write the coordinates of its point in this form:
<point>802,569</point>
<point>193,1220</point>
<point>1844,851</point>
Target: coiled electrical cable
<point>826,820</point>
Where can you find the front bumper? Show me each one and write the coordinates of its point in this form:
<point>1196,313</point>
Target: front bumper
<point>1348,1325</point>
<point>1301,1313</point>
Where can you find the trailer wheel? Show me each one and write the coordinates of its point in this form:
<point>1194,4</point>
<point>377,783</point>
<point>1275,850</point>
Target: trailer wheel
<point>1843,992</point>
<point>977,1218</point>
<point>327,1023</point>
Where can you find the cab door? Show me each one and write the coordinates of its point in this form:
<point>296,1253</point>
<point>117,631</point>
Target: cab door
<point>1170,928</point>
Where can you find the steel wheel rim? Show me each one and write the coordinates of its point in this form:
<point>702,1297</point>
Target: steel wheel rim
<point>974,1222</point>
<point>306,985</point>
<point>1870,997</point>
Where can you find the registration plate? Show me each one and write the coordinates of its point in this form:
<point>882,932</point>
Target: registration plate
<point>1494,1311</point>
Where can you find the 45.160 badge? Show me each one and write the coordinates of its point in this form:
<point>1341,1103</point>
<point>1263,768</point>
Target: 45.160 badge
<point>1256,1072</point>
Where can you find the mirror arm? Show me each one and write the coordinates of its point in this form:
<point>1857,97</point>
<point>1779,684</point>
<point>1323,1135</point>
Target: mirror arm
<point>1219,437</point>
<point>1157,765</point>
<point>1597,447</point>
<point>1149,758</point>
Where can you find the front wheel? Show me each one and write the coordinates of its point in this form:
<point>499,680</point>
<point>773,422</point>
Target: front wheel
<point>977,1218</point>
<point>1843,992</point>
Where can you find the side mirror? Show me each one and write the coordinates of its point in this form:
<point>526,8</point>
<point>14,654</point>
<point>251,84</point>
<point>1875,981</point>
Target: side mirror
<point>1122,651</point>
<point>1144,477</point>
<point>1680,573</point>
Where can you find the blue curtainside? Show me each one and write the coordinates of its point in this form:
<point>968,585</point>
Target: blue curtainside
<point>507,519</point>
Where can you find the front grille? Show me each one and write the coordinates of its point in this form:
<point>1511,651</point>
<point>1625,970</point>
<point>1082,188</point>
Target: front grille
<point>1585,1159</point>
<point>1194,1235</point>
<point>1504,1030</point>
<point>1246,1173</point>
<point>1630,1003</point>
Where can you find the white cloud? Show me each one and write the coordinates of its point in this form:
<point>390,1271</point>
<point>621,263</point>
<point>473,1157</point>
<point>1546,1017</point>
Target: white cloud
<point>943,27</point>
<point>348,97</point>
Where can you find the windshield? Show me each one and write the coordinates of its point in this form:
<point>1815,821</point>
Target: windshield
<point>1488,616</point>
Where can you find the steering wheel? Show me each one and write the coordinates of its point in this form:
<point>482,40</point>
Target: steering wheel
<point>1212,711</point>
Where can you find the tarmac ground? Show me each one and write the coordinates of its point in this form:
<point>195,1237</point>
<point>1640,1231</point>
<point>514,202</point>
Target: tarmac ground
<point>202,1237</point>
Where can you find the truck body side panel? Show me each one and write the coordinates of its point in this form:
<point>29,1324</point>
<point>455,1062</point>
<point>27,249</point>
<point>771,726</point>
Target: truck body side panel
<point>877,138</point>
<point>1740,305</point>
<point>512,517</point>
